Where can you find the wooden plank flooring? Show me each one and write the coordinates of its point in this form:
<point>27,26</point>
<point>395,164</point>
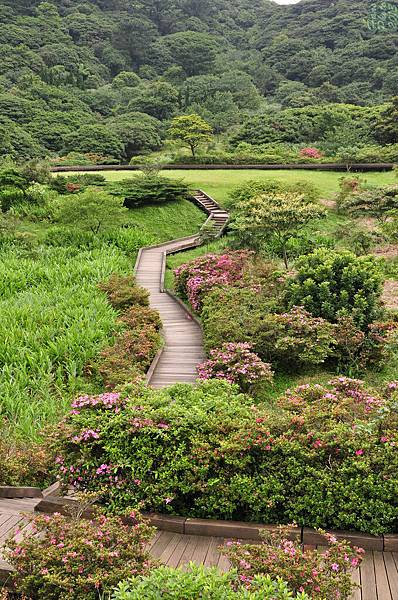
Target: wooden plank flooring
<point>182,335</point>
<point>378,575</point>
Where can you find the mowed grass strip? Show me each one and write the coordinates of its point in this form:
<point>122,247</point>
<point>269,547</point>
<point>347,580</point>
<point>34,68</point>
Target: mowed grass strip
<point>219,182</point>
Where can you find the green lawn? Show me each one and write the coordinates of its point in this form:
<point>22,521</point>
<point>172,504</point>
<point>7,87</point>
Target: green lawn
<point>219,183</point>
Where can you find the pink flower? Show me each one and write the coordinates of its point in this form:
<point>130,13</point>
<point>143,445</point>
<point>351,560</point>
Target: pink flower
<point>335,567</point>
<point>359,452</point>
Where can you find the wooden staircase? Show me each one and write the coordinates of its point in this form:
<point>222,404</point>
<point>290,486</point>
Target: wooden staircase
<point>183,341</point>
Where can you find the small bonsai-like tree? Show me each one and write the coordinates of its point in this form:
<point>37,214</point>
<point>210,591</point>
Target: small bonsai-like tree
<point>192,130</point>
<point>276,216</point>
<point>93,211</point>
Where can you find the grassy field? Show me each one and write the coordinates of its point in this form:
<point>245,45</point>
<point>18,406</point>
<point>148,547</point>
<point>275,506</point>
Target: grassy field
<point>219,183</point>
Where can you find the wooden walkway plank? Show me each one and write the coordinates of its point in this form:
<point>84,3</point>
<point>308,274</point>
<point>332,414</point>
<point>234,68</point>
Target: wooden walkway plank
<point>382,584</point>
<point>183,337</point>
<point>368,578</point>
<point>392,574</point>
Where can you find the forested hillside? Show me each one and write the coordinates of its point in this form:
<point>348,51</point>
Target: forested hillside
<point>105,76</point>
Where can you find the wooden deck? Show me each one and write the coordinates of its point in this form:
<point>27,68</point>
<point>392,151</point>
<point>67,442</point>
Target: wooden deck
<point>183,350</point>
<point>378,575</point>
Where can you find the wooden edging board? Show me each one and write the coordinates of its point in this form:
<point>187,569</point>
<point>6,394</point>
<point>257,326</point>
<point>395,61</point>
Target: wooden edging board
<point>239,529</point>
<point>261,167</point>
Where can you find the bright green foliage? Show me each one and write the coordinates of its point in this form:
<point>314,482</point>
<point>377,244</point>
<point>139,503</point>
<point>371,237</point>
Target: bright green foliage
<point>206,451</point>
<point>371,202</point>
<point>202,582</point>
<point>42,359</point>
<point>337,284</point>
<point>294,339</point>
<point>192,130</point>
<point>93,211</point>
<point>274,216</point>
<point>255,187</point>
<point>150,189</point>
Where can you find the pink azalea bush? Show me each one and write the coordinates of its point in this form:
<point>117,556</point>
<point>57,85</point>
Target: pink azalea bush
<point>196,278</point>
<point>321,575</point>
<point>235,363</point>
<point>311,153</point>
<point>324,456</point>
<point>71,558</point>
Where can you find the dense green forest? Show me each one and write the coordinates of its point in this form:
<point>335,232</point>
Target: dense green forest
<point>106,76</point>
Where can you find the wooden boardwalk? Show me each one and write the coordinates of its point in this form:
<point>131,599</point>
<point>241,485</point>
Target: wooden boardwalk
<point>378,575</point>
<point>183,341</point>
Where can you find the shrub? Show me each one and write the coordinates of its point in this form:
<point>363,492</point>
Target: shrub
<point>320,574</point>
<point>311,153</point>
<point>130,356</point>
<point>123,292</point>
<point>202,582</point>
<point>71,558</point>
<point>373,202</point>
<point>256,187</point>
<point>337,284</point>
<point>80,181</point>
<point>294,339</point>
<point>236,363</point>
<point>355,351</point>
<point>325,458</point>
<point>23,464</point>
<point>195,279</point>
<point>92,210</point>
<point>150,189</point>
<point>236,313</point>
<point>134,349</point>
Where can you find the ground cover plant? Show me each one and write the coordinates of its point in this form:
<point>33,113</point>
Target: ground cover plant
<point>325,457</point>
<point>202,582</point>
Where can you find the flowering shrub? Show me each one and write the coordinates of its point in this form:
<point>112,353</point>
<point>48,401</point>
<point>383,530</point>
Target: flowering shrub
<point>355,350</point>
<point>311,153</point>
<point>196,278</point>
<point>123,292</point>
<point>294,339</point>
<point>236,364</point>
<point>202,582</point>
<point>77,559</point>
<point>134,348</point>
<point>327,457</point>
<point>23,464</point>
<point>321,575</point>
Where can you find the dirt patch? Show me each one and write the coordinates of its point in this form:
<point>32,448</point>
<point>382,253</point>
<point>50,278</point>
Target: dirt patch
<point>387,251</point>
<point>328,203</point>
<point>390,294</point>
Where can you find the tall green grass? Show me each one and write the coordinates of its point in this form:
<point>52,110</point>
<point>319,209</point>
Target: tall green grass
<point>54,319</point>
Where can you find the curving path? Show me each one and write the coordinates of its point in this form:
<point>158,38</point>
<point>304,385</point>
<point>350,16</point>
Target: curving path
<point>183,341</point>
